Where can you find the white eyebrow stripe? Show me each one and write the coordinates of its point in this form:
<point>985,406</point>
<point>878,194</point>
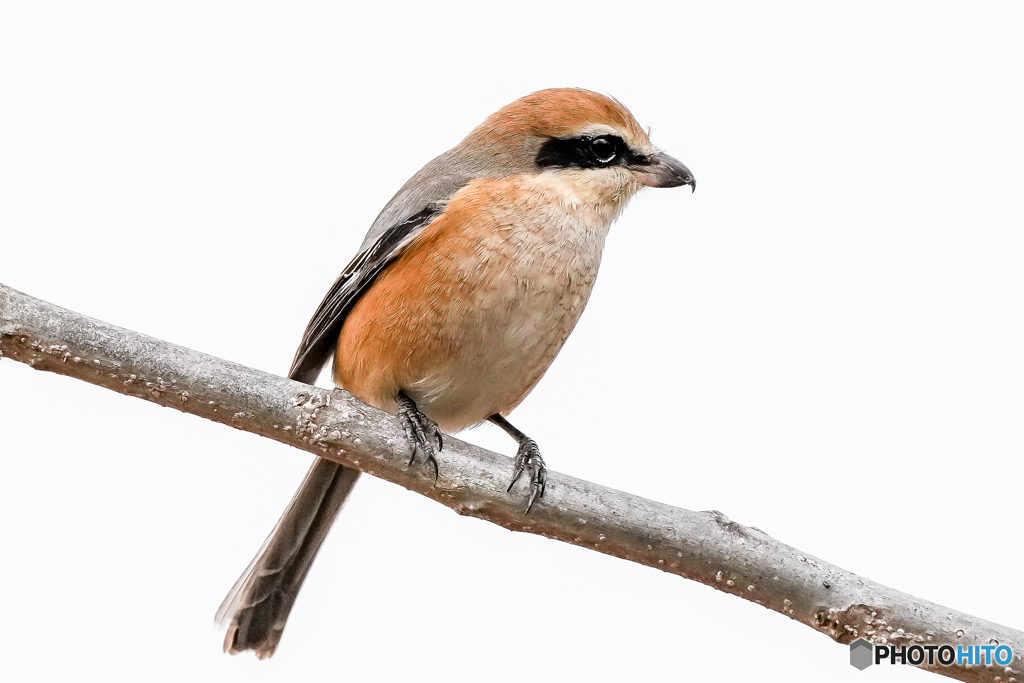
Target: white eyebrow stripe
<point>595,129</point>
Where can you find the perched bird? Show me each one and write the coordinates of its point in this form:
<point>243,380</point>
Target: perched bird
<point>462,293</point>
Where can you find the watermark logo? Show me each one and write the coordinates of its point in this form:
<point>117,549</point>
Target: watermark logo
<point>863,654</point>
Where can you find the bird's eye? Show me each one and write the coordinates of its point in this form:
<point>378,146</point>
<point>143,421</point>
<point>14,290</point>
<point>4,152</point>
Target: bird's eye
<point>603,149</point>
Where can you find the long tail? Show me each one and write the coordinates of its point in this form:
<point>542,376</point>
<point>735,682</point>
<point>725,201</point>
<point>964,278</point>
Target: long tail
<point>256,608</point>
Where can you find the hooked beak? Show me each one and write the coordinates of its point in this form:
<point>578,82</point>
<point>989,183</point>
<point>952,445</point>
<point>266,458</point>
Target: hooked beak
<point>661,170</point>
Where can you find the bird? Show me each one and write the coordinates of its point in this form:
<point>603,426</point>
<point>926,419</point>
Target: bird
<point>463,291</point>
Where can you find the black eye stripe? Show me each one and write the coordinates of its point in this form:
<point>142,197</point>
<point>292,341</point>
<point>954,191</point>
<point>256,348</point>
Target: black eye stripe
<point>586,151</point>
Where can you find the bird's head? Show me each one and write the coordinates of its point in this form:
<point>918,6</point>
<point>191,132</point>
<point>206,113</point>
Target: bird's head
<point>578,138</point>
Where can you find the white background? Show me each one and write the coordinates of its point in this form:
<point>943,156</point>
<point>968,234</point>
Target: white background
<point>825,341</point>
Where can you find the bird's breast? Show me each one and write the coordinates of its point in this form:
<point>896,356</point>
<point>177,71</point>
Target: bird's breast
<point>471,315</point>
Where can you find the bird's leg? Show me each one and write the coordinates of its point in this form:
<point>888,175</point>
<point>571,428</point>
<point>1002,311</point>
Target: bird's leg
<point>527,459</point>
<point>420,431</point>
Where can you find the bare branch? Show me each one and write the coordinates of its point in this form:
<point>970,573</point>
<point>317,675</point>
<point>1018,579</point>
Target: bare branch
<point>702,546</point>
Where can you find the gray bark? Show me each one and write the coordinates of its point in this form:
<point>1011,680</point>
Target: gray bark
<point>701,546</point>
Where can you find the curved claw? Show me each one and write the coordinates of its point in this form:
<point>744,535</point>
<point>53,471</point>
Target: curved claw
<point>420,431</point>
<point>528,458</point>
<point>538,480</point>
<point>516,473</point>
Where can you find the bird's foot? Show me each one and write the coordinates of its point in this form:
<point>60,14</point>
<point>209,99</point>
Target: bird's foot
<point>420,431</point>
<point>528,460</point>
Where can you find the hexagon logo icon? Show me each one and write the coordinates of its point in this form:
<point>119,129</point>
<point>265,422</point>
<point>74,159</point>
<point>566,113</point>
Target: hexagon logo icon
<point>862,654</point>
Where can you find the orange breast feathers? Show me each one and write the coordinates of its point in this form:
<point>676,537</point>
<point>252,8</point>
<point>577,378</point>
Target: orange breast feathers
<point>470,316</point>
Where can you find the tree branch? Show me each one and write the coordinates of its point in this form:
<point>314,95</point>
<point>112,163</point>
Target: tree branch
<point>702,546</point>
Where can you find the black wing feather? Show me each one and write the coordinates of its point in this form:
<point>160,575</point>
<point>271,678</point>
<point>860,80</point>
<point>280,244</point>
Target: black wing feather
<point>322,332</point>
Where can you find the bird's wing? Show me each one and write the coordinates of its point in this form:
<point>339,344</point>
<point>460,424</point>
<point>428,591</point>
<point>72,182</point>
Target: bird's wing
<point>401,221</point>
<point>325,326</point>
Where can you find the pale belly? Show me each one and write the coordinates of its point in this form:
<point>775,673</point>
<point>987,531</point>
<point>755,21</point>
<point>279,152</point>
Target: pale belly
<point>501,341</point>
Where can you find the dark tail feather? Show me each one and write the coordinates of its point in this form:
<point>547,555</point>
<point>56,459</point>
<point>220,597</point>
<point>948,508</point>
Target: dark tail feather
<point>256,608</point>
